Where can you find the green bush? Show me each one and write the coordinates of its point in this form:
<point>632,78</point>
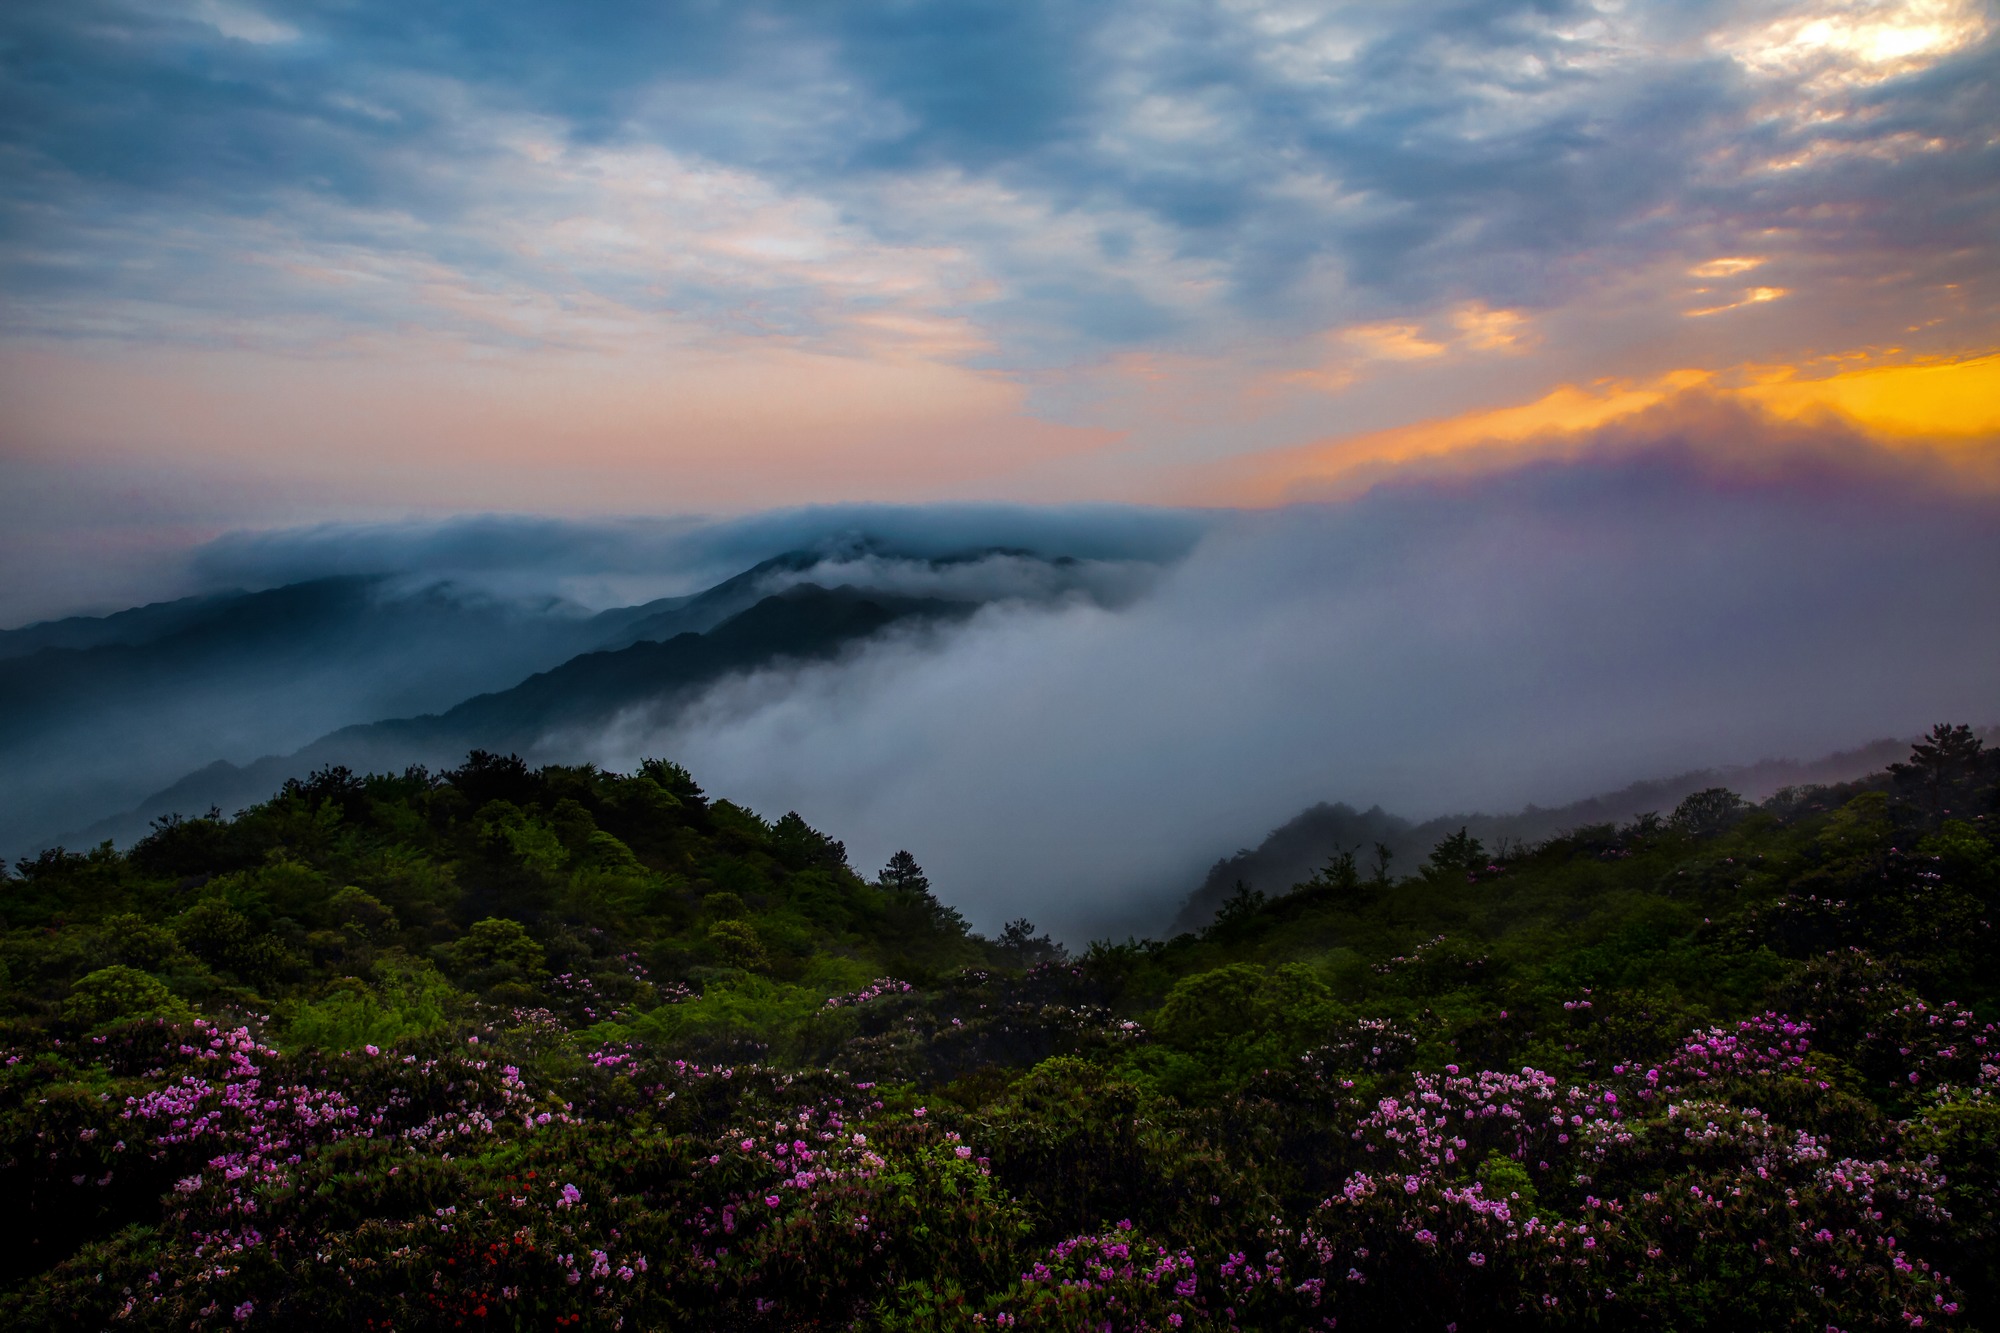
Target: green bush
<point>118,992</point>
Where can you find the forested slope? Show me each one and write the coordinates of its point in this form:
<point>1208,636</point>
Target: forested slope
<point>502,1047</point>
<point>643,682</point>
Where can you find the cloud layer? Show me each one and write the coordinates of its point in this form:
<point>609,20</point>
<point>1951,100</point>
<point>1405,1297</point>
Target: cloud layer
<point>612,562</point>
<point>1543,636</point>
<point>291,261</point>
<point>1023,180</point>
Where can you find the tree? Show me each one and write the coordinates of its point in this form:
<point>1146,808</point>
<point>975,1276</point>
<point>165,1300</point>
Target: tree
<point>675,780</point>
<point>1340,873</point>
<point>738,944</point>
<point>485,776</point>
<point>904,875</point>
<point>116,992</point>
<point>1019,941</point>
<point>368,915</point>
<point>332,782</point>
<point>1378,873</point>
<point>1239,907</point>
<point>1707,813</point>
<point>1459,854</point>
<point>1945,760</point>
<point>228,941</point>
<point>799,845</point>
<point>906,882</point>
<point>496,951</point>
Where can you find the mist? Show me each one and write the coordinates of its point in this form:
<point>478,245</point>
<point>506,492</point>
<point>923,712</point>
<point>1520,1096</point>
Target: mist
<point>1435,647</point>
<point>356,625</point>
<point>607,562</point>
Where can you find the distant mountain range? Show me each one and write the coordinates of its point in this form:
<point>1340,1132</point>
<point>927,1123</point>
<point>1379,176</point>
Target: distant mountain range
<point>1291,853</point>
<point>803,623</point>
<point>108,722</point>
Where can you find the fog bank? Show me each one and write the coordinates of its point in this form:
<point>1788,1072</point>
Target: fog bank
<point>1540,636</point>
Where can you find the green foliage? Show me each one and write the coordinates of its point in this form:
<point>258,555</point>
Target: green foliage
<point>1457,854</point>
<point>538,1048</point>
<point>1707,813</point>
<point>407,1002</point>
<point>737,944</point>
<point>119,992</point>
<point>229,942</point>
<point>363,912</point>
<point>1242,1000</point>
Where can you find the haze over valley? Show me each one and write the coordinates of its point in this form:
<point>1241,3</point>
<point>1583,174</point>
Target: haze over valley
<point>1146,690</point>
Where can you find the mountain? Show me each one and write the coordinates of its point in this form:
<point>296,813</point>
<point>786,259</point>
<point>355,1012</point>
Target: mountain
<point>141,624</point>
<point>96,713</point>
<point>99,714</point>
<point>803,623</point>
<point>1294,851</point>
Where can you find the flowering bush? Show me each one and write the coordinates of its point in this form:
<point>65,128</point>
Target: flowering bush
<point>1690,1074</point>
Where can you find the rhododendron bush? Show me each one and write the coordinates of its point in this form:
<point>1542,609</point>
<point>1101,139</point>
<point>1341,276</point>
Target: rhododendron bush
<point>356,1060</point>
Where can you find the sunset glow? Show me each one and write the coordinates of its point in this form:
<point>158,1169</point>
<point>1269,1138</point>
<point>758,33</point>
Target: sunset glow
<point>319,267</point>
<point>1949,410</point>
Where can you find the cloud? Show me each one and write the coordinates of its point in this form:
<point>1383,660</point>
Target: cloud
<point>602,561</point>
<point>373,258</point>
<point>1014,184</point>
<point>1932,415</point>
<point>1552,632</point>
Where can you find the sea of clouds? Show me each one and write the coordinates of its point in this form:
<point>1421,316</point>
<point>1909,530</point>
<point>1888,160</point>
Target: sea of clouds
<point>1435,647</point>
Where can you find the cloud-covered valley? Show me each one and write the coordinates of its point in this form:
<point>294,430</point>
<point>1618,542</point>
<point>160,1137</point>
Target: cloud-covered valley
<point>1070,713</point>
<point>1433,647</point>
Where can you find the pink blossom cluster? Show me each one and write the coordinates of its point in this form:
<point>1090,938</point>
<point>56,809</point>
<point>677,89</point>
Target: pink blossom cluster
<point>1418,1199</point>
<point>252,1132</point>
<point>874,990</point>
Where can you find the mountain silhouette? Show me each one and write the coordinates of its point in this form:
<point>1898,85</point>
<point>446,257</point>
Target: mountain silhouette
<point>803,623</point>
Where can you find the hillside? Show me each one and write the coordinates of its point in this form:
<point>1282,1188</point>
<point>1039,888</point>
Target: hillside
<point>529,1048</point>
<point>97,713</point>
<point>107,722</point>
<point>804,623</point>
<point>1296,850</point>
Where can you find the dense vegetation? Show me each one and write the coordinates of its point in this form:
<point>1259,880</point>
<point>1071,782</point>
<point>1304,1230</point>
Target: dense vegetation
<point>561,1048</point>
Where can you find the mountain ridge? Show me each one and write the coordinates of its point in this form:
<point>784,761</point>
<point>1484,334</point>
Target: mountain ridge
<point>1294,851</point>
<point>803,623</point>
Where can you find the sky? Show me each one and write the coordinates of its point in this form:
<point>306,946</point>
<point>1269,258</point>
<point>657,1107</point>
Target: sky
<point>266,263</point>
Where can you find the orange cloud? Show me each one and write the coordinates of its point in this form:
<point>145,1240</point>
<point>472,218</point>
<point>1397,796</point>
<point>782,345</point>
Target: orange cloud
<point>1726,267</point>
<point>1471,327</point>
<point>1754,296</point>
<point>1391,342</point>
<point>1945,401</point>
<point>1951,410</point>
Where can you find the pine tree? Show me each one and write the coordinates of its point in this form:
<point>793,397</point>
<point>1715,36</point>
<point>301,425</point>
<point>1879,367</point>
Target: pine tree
<point>905,875</point>
<point>1945,758</point>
